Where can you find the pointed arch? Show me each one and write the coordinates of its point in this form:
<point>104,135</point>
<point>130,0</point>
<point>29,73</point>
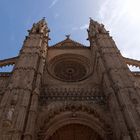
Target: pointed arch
<point>58,115</point>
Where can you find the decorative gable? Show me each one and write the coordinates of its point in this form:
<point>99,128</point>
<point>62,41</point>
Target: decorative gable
<point>69,43</point>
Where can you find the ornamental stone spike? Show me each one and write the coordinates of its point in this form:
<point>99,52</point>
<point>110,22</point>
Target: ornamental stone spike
<point>40,28</point>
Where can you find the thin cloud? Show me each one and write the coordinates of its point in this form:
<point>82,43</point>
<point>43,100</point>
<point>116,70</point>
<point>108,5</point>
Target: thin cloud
<point>56,15</point>
<point>53,3</point>
<point>82,27</point>
<point>75,28</point>
<point>120,23</point>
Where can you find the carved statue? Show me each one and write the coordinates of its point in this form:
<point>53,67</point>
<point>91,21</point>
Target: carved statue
<point>9,114</point>
<point>14,99</point>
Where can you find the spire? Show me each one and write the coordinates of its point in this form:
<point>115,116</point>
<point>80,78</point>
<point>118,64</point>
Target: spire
<point>95,28</point>
<point>40,28</point>
<point>92,21</point>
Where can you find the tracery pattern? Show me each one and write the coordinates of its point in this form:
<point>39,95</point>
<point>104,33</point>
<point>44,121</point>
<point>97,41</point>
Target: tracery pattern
<point>70,70</point>
<point>70,67</point>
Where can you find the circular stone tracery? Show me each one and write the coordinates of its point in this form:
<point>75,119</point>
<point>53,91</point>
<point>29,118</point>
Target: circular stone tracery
<point>70,68</point>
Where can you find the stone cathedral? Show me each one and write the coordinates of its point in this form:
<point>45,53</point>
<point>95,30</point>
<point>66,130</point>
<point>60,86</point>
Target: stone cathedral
<point>69,91</point>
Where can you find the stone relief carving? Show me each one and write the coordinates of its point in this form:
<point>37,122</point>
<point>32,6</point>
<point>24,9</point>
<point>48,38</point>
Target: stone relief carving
<point>59,107</point>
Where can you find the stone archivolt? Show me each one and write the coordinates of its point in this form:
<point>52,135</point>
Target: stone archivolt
<point>73,113</point>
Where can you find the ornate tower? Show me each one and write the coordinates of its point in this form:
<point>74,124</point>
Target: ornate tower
<point>69,90</point>
<point>19,104</point>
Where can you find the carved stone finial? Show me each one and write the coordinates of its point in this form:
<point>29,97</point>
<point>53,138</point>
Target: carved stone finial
<point>95,28</point>
<point>44,18</point>
<point>40,27</point>
<point>68,36</point>
<point>91,19</point>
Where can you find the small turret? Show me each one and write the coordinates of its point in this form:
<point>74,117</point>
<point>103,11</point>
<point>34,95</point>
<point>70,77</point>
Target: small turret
<point>94,29</point>
<point>40,28</point>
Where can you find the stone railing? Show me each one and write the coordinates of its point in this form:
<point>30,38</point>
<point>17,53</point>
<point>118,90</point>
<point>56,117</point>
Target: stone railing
<point>136,73</point>
<point>132,62</point>
<point>7,62</point>
<point>5,74</point>
<point>91,95</point>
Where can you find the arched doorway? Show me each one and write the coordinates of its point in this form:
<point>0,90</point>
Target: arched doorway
<point>75,132</point>
<point>73,121</point>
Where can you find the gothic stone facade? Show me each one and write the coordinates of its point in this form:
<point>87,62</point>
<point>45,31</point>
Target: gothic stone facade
<point>69,90</point>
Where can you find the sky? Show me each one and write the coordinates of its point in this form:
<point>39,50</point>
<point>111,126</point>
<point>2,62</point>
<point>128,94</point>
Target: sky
<point>120,17</point>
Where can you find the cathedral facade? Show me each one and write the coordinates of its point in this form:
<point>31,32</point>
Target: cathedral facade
<point>69,91</point>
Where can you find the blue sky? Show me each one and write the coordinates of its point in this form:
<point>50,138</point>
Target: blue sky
<point>121,18</point>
